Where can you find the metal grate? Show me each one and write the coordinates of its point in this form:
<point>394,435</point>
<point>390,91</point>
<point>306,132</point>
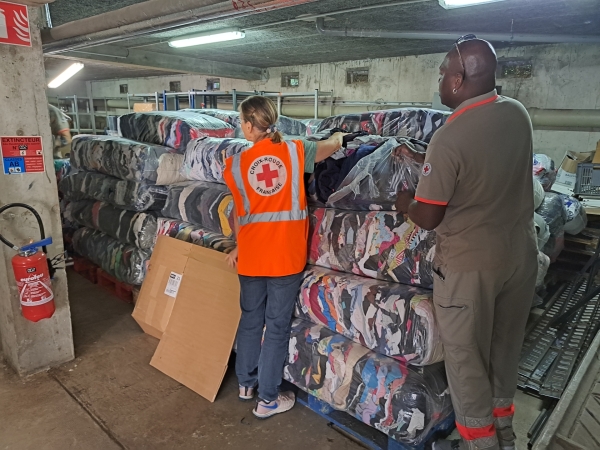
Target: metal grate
<point>588,180</point>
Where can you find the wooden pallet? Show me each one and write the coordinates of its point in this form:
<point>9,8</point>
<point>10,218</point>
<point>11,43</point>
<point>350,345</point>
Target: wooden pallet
<point>117,288</point>
<point>364,434</point>
<point>85,268</point>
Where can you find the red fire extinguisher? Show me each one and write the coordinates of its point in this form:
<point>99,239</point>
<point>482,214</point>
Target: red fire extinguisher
<point>33,273</point>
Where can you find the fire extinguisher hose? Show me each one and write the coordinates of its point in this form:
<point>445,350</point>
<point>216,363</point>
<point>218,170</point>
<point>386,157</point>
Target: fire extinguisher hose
<point>37,216</point>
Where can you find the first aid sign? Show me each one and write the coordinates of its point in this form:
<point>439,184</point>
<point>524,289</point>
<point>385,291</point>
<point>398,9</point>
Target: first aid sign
<point>22,154</point>
<point>14,24</point>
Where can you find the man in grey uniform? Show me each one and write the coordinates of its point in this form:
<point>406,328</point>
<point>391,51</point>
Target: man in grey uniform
<point>61,131</point>
<point>476,191</point>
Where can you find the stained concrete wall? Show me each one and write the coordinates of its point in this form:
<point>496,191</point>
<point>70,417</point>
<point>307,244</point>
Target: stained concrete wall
<point>30,347</point>
<point>564,76</point>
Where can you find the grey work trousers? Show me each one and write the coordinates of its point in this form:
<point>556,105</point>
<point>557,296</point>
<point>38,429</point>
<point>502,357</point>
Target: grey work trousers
<point>482,317</point>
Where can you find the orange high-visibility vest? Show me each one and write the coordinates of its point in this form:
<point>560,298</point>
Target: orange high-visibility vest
<point>267,183</point>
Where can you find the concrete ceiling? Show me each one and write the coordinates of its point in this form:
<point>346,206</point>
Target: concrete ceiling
<point>271,43</point>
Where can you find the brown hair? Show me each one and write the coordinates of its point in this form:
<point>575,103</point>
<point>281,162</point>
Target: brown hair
<point>262,114</point>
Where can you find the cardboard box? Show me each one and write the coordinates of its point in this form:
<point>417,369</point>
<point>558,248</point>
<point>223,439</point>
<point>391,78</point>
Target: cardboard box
<point>144,107</point>
<point>155,303</point>
<point>196,344</point>
<point>567,172</point>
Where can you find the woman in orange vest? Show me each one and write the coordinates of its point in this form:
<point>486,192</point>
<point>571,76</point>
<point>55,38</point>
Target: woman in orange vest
<point>271,226</point>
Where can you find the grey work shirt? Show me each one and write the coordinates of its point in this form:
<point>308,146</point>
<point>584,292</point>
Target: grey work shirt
<point>479,164</point>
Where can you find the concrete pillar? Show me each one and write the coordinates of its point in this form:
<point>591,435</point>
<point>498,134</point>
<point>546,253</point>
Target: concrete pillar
<point>30,347</point>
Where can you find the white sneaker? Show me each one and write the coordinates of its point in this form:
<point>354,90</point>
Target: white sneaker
<point>246,393</point>
<point>284,403</point>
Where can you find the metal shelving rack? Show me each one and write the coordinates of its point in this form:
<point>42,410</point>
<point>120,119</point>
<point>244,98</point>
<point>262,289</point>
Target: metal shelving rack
<point>156,97</point>
<point>209,98</point>
<point>73,110</point>
<point>316,95</point>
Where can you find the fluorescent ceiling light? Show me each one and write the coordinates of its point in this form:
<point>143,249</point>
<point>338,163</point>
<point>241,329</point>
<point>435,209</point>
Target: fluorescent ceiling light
<point>207,38</point>
<point>71,70</point>
<point>449,4</point>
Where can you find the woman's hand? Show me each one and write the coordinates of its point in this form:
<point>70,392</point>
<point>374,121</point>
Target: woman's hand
<point>232,258</point>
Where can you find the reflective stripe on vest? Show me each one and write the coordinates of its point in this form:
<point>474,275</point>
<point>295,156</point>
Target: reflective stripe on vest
<point>282,216</point>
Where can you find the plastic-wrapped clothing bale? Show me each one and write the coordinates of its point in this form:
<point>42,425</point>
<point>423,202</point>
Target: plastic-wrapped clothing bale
<point>188,232</point>
<point>205,158</point>
<point>126,194</point>
<point>538,194</point>
<point>125,262</point>
<point>543,265</point>
<point>208,205</point>
<point>312,125</point>
<point>173,129</point>
<point>404,402</point>
<point>227,116</point>
<point>374,244</point>
<point>389,318</point>
<point>169,169</point>
<point>541,229</point>
<point>411,122</point>
<point>555,215</point>
<point>62,168</point>
<point>544,171</point>
<point>374,182</point>
<point>576,215</point>
<point>118,157</point>
<point>129,227</point>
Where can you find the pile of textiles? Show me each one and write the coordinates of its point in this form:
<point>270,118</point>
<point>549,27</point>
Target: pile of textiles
<point>126,194</point>
<point>287,125</point>
<point>129,227</point>
<point>312,125</point>
<point>173,129</point>
<point>412,122</point>
<point>204,158</point>
<point>208,205</point>
<point>118,157</point>
<point>544,171</point>
<point>62,168</point>
<point>374,244</point>
<point>576,215</point>
<point>404,402</point>
<point>188,232</point>
<point>390,318</point>
<point>554,214</point>
<point>125,262</point>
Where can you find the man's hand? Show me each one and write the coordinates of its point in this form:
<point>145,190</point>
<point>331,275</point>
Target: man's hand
<point>403,201</point>
<point>232,258</point>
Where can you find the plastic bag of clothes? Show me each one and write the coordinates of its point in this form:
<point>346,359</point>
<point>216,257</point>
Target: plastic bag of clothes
<point>410,122</point>
<point>389,318</point>
<point>543,170</point>
<point>125,262</point>
<point>173,129</point>
<point>538,194</point>
<point>374,182</point>
<point>205,158</point>
<point>188,232</point>
<point>312,125</point>
<point>555,215</point>
<point>372,244</point>
<point>576,215</point>
<point>169,169</point>
<point>403,402</point>
<point>128,227</point>
<point>119,157</point>
<point>125,194</point>
<point>541,229</point>
<point>62,168</point>
<point>208,205</point>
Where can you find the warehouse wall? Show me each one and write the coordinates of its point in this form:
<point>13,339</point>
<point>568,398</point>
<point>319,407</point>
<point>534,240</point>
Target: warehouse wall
<point>564,76</point>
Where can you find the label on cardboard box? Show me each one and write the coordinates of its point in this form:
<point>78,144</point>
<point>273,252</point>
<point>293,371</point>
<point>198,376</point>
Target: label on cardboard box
<point>566,178</point>
<point>173,284</point>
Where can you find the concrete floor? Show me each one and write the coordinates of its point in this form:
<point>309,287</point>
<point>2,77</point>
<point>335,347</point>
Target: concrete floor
<point>111,398</point>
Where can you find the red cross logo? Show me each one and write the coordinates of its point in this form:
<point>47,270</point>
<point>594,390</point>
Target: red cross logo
<point>267,175</point>
<point>426,169</point>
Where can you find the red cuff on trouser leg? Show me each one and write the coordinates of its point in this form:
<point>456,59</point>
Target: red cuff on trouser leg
<point>470,434</point>
<point>504,412</point>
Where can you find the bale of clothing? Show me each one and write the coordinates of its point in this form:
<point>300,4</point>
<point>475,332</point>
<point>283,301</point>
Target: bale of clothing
<point>411,122</point>
<point>125,262</point>
<point>62,168</point>
<point>173,129</point>
<point>129,227</point>
<point>126,194</point>
<point>119,157</point>
<point>403,402</point>
<point>389,318</point>
<point>185,231</point>
<point>554,215</point>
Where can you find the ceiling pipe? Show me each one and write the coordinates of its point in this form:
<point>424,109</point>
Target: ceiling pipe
<point>453,35</point>
<point>150,17</point>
